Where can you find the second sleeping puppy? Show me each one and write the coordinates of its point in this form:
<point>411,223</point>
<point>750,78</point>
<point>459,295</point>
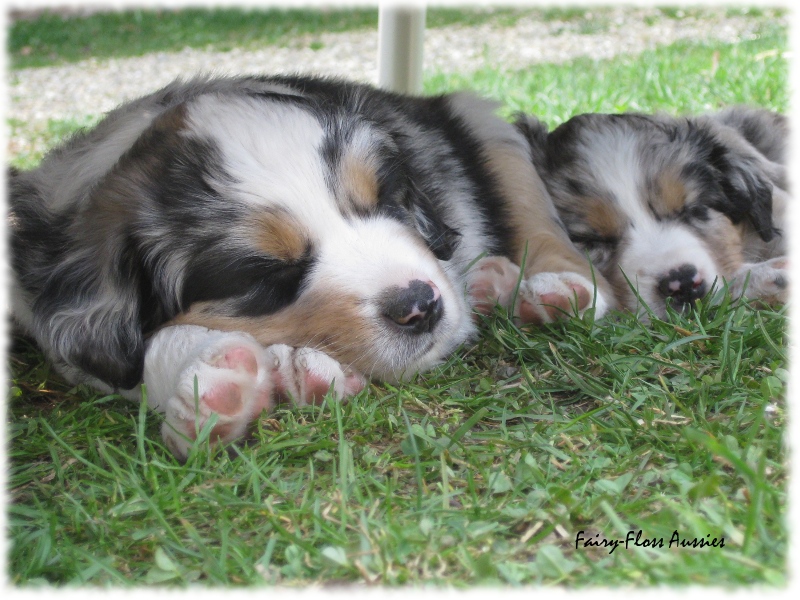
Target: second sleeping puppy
<point>667,207</point>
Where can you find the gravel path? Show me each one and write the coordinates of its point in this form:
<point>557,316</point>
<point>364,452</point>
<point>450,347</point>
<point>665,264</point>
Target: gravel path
<point>95,86</point>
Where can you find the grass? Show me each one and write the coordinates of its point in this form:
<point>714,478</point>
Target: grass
<point>686,77</point>
<point>484,470</point>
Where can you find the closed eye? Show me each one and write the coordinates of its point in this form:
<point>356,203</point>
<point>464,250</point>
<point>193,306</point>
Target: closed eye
<point>601,249</point>
<point>402,200</point>
<point>252,284</point>
<point>694,212</point>
<point>588,240</point>
<point>276,288</point>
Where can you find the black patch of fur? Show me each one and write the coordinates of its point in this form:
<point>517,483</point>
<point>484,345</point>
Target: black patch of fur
<point>257,284</point>
<point>734,184</point>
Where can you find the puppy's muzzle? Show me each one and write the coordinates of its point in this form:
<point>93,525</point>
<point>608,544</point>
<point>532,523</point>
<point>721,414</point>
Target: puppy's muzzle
<point>414,309</point>
<point>684,285</point>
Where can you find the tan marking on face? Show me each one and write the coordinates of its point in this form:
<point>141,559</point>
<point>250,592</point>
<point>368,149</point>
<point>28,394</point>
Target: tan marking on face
<point>278,234</point>
<point>671,194</point>
<point>602,217</point>
<point>331,323</point>
<point>359,180</point>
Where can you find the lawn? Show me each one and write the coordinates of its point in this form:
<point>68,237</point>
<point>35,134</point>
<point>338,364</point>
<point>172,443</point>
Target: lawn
<point>533,457</point>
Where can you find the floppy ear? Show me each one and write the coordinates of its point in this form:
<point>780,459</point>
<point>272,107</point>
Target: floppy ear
<point>535,133</point>
<point>748,196</point>
<point>735,182</point>
<point>84,264</point>
<point>87,316</point>
<point>82,277</point>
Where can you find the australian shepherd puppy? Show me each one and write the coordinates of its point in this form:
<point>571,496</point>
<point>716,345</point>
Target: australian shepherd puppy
<point>236,242</point>
<point>668,208</point>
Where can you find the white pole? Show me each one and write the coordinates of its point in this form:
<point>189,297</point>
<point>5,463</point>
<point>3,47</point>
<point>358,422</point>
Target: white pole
<point>401,32</point>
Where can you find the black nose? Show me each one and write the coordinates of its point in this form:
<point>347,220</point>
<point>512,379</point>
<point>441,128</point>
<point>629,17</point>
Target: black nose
<point>414,309</point>
<point>684,285</point>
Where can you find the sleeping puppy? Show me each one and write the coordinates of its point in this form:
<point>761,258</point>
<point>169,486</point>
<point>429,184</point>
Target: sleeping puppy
<point>668,208</point>
<point>238,242</point>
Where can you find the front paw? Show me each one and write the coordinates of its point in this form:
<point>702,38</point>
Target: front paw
<point>766,281</point>
<point>549,297</point>
<point>235,378</point>
<point>492,280</point>
<point>542,298</point>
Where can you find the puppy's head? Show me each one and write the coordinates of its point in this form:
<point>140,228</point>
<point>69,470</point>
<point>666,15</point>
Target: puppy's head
<point>660,205</point>
<point>265,213</point>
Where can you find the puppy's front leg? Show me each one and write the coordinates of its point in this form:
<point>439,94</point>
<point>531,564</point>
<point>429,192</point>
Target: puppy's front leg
<point>192,372</point>
<point>558,279</point>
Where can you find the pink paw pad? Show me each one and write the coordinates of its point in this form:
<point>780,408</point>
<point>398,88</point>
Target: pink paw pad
<point>225,398</point>
<point>528,314</point>
<point>492,281</point>
<point>316,386</point>
<point>353,383</point>
<point>238,359</point>
<point>191,428</point>
<point>582,296</point>
<point>556,305</point>
<point>549,297</point>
